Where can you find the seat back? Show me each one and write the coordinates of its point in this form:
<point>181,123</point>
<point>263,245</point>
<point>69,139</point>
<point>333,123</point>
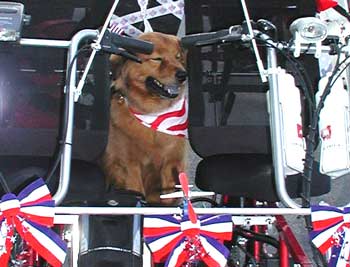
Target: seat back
<point>228,116</point>
<point>31,110</point>
<point>33,79</point>
<point>31,89</point>
<point>228,110</point>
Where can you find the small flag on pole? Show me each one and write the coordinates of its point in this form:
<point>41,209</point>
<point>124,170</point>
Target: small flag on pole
<point>117,28</point>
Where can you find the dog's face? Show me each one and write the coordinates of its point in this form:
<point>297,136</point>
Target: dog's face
<point>158,80</point>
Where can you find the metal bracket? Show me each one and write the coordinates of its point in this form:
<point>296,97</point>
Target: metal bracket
<point>253,220</point>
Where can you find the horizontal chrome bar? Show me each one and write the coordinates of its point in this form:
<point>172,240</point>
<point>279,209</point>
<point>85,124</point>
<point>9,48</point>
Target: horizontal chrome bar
<point>66,219</point>
<point>44,43</point>
<point>164,211</point>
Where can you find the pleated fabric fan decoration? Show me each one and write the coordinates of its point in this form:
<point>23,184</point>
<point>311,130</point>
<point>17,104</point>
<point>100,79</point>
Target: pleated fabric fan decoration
<point>30,214</point>
<point>188,239</point>
<point>331,233</point>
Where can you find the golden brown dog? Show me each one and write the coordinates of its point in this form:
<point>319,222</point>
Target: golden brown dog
<point>138,157</point>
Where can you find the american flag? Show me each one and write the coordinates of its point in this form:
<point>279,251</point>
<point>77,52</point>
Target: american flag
<point>116,28</point>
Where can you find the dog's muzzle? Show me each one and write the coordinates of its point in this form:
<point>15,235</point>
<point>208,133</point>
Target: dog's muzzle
<point>166,90</point>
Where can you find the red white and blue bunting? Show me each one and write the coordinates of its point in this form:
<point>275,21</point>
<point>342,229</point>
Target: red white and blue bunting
<point>184,240</point>
<point>178,241</point>
<point>331,234</point>
<point>125,23</point>
<point>30,214</point>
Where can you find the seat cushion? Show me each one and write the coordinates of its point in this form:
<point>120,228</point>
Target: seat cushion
<point>86,184</point>
<point>251,176</point>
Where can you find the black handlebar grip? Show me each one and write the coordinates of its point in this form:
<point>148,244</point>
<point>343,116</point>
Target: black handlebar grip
<point>131,44</point>
<point>192,39</point>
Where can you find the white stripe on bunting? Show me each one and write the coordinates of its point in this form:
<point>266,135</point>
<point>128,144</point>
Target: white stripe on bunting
<point>175,254</point>
<point>9,204</point>
<point>49,245</point>
<point>36,194</point>
<point>158,223</point>
<point>213,252</point>
<point>320,215</point>
<point>224,227</point>
<point>161,242</point>
<point>43,211</point>
<point>344,253</point>
<point>325,235</point>
<point>3,234</point>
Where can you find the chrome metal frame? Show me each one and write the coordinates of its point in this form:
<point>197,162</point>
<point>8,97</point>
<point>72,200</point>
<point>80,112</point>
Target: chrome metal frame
<point>67,150</point>
<point>72,47</point>
<point>72,220</point>
<point>275,116</point>
<point>276,130</point>
<point>276,120</point>
<point>178,210</point>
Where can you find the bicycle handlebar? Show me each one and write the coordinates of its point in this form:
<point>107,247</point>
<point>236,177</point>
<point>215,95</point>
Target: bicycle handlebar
<point>111,42</point>
<point>193,39</point>
<point>235,33</point>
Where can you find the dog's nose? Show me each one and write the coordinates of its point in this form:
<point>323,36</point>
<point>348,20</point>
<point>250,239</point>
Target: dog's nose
<point>181,75</point>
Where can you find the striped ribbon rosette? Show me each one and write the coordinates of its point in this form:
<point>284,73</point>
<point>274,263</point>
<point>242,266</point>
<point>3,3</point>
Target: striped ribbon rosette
<point>178,241</point>
<point>30,214</point>
<point>184,240</point>
<point>331,233</point>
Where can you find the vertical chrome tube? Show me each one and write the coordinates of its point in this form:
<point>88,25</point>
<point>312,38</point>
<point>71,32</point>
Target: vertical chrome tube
<point>67,151</point>
<point>276,131</point>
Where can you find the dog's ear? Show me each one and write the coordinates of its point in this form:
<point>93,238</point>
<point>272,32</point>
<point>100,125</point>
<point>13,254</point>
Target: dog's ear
<point>183,53</point>
<point>116,64</point>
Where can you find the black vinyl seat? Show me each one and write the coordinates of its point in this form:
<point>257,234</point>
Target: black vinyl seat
<point>87,179</point>
<point>228,118</point>
<point>251,176</point>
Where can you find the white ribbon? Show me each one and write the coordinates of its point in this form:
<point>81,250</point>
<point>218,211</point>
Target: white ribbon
<point>143,6</point>
<point>166,7</point>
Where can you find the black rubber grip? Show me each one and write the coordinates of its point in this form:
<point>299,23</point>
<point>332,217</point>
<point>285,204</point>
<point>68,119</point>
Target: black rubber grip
<point>192,39</point>
<point>131,44</point>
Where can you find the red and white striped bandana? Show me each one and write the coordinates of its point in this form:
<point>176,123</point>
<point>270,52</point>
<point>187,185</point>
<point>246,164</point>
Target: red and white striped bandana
<point>173,121</point>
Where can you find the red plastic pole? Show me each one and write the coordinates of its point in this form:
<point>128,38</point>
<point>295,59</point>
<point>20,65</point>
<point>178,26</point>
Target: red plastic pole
<point>284,255</point>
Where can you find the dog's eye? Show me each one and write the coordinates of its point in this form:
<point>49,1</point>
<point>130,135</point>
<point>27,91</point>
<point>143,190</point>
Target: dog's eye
<point>157,59</point>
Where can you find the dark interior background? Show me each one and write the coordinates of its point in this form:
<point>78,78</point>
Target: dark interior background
<point>220,74</point>
<point>32,79</point>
